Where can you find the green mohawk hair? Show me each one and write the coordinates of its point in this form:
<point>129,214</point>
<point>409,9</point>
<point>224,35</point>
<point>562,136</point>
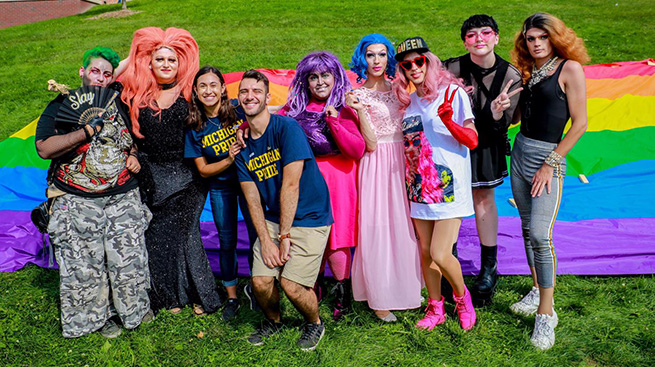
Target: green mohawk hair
<point>103,52</point>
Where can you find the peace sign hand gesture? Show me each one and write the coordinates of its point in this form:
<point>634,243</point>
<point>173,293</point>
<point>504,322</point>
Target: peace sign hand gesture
<point>445,111</point>
<point>502,102</point>
<point>464,135</point>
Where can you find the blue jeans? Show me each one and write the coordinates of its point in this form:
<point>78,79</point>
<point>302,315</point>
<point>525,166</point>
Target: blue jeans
<point>538,214</point>
<point>225,202</point>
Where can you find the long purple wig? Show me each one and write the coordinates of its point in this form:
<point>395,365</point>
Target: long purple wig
<point>317,62</point>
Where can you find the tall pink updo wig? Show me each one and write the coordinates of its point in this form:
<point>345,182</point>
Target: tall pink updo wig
<point>140,86</point>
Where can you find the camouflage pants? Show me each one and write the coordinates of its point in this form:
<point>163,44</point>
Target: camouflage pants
<point>103,264</point>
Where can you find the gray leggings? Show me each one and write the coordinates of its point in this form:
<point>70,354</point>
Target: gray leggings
<point>538,214</point>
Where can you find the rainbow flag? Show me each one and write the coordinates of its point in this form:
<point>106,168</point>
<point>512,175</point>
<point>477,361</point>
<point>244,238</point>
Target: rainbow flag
<point>603,226</point>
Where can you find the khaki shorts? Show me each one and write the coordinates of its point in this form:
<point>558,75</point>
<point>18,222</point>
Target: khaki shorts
<point>306,253</point>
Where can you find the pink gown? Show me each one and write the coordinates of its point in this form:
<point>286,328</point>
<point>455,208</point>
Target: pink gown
<point>386,269</point>
<point>340,173</point>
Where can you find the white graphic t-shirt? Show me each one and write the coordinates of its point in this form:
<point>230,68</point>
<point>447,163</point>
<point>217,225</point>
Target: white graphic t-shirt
<point>438,168</point>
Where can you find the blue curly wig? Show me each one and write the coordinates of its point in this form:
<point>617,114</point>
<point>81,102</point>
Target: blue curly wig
<point>359,65</point>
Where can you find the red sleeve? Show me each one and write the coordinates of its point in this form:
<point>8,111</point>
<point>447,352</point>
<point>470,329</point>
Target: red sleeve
<point>284,110</point>
<point>346,133</point>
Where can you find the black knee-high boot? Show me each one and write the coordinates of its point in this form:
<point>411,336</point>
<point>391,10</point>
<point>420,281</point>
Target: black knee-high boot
<point>485,285</point>
<point>319,287</point>
<point>342,298</point>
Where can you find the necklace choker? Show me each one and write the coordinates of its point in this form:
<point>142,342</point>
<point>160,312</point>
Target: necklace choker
<point>539,74</point>
<point>168,85</point>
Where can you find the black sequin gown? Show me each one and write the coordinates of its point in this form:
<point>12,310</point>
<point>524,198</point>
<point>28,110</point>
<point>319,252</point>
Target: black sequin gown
<point>175,194</point>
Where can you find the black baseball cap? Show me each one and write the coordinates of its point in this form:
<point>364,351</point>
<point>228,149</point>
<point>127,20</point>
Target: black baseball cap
<point>412,44</point>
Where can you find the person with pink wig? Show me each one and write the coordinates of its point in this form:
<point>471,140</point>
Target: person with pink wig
<point>158,81</point>
<point>317,100</point>
<point>438,134</point>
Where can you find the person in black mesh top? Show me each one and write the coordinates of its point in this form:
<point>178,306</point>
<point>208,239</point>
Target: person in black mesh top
<point>493,83</point>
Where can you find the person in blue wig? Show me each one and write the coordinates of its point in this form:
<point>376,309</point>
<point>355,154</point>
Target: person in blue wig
<point>386,268</point>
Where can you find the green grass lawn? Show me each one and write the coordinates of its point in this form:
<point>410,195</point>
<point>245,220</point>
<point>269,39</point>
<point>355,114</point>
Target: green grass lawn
<point>603,321</point>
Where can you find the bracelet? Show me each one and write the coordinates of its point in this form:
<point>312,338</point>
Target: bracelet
<point>281,237</point>
<point>86,133</point>
<point>554,159</point>
<point>133,155</point>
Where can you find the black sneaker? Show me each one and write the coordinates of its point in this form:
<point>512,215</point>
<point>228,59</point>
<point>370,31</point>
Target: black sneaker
<point>148,317</point>
<point>311,335</point>
<point>251,297</point>
<point>230,310</point>
<point>267,328</point>
<point>111,329</point>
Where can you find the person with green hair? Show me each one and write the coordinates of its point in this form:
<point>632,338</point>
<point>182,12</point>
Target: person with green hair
<point>97,224</point>
<point>105,53</point>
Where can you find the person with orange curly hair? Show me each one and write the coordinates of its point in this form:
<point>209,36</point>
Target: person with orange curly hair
<point>549,56</point>
<point>158,82</point>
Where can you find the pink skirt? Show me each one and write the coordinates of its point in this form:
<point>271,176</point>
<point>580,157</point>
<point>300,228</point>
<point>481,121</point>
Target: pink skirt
<point>386,269</point>
<point>340,173</point>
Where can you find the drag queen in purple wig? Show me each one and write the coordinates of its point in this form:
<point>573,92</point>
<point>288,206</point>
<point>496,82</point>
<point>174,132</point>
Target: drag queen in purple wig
<point>317,100</point>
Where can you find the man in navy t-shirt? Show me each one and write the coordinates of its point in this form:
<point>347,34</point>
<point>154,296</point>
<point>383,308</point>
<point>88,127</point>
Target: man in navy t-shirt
<point>277,169</point>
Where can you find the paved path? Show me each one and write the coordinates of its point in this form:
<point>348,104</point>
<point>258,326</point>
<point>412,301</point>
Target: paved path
<point>14,13</point>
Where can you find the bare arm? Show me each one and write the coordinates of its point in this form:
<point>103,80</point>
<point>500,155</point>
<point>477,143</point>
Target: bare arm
<point>121,67</point>
<point>212,169</point>
<point>504,106</point>
<point>58,145</point>
<point>576,93</point>
<point>370,139</point>
<point>574,85</point>
<point>291,174</point>
<point>270,252</point>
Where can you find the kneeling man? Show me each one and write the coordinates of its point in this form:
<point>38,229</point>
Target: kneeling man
<point>277,170</point>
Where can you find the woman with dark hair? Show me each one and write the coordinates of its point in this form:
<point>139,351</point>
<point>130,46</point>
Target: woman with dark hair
<point>438,134</point>
<point>386,268</point>
<point>549,56</point>
<point>158,82</point>
<point>317,100</point>
<point>211,143</point>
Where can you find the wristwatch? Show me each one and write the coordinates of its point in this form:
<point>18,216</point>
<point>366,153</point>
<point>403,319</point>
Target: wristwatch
<point>280,236</point>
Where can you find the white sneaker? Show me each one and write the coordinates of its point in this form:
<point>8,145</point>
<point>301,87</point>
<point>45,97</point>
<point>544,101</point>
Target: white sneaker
<point>543,336</point>
<point>528,305</point>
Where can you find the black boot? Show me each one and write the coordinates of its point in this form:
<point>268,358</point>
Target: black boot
<point>485,285</point>
<point>446,288</point>
<point>319,287</point>
<point>342,294</point>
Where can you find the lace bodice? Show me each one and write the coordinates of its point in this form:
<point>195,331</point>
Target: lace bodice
<point>383,112</point>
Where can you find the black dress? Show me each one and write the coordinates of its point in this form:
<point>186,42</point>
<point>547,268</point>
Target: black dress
<point>175,194</point>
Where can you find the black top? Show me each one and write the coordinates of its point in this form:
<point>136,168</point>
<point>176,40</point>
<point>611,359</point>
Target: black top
<point>95,168</point>
<point>545,109</point>
<point>162,152</point>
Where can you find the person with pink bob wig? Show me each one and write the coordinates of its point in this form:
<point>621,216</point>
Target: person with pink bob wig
<point>438,134</point>
<point>158,81</point>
